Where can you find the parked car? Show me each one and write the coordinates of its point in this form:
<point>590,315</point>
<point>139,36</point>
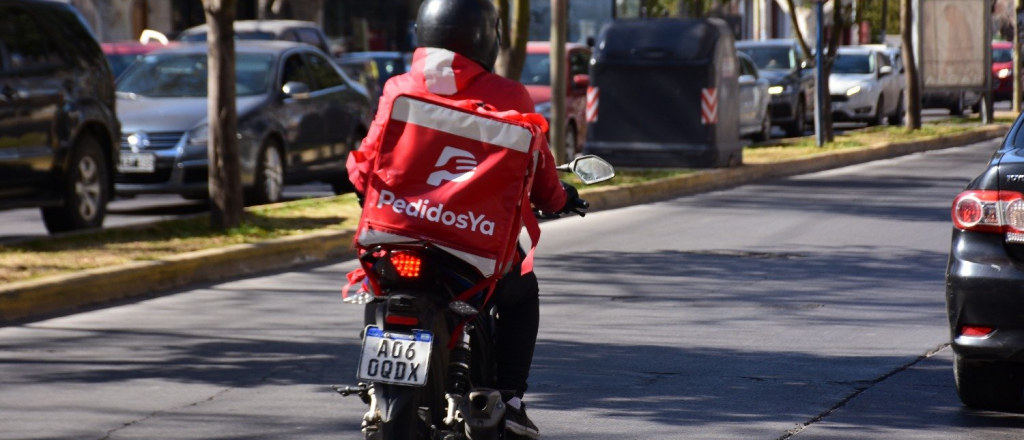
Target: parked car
<point>1002,70</point>
<point>864,87</point>
<point>58,123</point>
<point>298,118</point>
<point>755,114</point>
<point>983,278</point>
<point>387,64</point>
<point>121,54</point>
<point>789,71</point>
<point>286,30</point>
<point>536,76</point>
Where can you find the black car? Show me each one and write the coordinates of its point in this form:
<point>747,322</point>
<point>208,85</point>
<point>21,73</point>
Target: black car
<point>58,125</point>
<point>791,80</point>
<point>984,281</point>
<point>298,118</point>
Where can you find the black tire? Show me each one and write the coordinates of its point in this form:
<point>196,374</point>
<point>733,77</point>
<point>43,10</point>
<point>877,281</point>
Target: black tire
<point>269,181</point>
<point>766,128</point>
<point>85,189</point>
<point>570,143</point>
<point>957,107</point>
<point>879,118</point>
<point>796,128</point>
<point>897,117</point>
<point>988,385</point>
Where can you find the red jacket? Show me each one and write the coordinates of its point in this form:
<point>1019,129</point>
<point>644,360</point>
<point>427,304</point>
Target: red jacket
<point>453,76</point>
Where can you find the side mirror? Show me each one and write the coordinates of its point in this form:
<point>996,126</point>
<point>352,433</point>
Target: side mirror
<point>591,169</point>
<point>884,70</point>
<point>806,64</point>
<point>580,81</point>
<point>296,89</point>
<point>746,80</point>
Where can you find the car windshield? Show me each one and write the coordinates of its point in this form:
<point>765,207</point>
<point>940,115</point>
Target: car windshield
<point>536,70</point>
<point>1002,55</point>
<point>185,75</point>
<point>772,58</point>
<point>255,35</point>
<point>119,63</point>
<point>854,63</point>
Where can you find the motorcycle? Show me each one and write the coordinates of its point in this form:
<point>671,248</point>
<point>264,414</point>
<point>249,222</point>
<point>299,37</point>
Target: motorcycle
<point>427,363</point>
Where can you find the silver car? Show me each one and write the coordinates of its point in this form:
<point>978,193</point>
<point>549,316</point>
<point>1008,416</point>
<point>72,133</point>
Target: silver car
<point>298,117</point>
<point>865,87</point>
<point>755,114</point>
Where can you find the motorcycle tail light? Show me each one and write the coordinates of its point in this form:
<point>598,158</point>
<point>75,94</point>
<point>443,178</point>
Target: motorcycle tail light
<point>406,264</point>
<point>401,320</point>
<point>990,211</point>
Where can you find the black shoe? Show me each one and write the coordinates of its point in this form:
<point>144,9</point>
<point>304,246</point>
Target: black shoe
<point>516,422</point>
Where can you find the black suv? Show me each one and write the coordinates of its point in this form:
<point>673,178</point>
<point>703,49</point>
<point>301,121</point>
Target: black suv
<point>58,125</point>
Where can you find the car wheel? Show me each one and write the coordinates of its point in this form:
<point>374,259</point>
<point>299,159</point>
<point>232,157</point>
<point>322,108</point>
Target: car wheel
<point>766,129</point>
<point>269,183</point>
<point>988,385</point>
<point>570,143</point>
<point>957,107</point>
<point>897,117</point>
<point>85,190</point>
<point>796,128</point>
<point>879,118</point>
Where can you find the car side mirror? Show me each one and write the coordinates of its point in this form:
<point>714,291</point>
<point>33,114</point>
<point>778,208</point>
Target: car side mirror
<point>746,80</point>
<point>884,70</point>
<point>580,81</point>
<point>296,89</point>
<point>806,64</point>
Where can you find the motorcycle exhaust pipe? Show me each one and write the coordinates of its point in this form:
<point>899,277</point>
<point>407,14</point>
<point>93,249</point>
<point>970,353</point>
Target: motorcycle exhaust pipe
<point>482,412</point>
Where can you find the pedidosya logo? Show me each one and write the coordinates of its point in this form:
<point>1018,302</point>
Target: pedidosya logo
<point>465,166</point>
<point>422,209</point>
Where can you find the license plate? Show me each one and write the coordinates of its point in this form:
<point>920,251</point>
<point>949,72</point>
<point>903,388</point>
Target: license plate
<point>137,163</point>
<point>395,358</point>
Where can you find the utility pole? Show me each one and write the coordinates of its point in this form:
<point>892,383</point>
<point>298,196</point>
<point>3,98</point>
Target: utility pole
<point>820,87</point>
<point>559,17</point>
<point>1016,56</point>
<point>885,18</point>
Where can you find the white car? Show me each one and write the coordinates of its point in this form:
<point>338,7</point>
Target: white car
<point>865,87</point>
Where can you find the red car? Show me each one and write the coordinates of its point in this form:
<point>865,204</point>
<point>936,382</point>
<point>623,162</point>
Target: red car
<point>536,77</point>
<point>121,54</point>
<point>1002,70</point>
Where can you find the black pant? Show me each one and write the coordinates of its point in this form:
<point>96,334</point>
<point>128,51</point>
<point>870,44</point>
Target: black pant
<point>518,301</point>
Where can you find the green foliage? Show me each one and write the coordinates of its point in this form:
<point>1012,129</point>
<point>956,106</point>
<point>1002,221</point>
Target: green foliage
<point>871,12</point>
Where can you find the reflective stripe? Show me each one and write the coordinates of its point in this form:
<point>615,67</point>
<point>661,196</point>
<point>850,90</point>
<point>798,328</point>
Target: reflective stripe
<point>436,117</point>
<point>438,73</point>
<point>370,237</point>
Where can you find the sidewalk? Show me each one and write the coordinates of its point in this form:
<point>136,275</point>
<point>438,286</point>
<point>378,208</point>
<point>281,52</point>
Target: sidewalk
<point>35,299</point>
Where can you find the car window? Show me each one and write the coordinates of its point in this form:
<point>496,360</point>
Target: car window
<point>772,57</point>
<point>325,75</point>
<point>295,70</point>
<point>536,70</point>
<point>289,35</point>
<point>26,43</point>
<point>310,36</point>
<point>1002,55</point>
<point>579,63</point>
<point>185,75</point>
<point>747,67</point>
<point>884,59</point>
<point>854,64</point>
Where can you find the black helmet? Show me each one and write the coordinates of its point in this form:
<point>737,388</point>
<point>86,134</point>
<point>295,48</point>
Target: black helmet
<point>466,27</point>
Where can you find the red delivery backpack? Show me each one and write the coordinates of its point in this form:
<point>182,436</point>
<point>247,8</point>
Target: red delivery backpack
<point>456,174</point>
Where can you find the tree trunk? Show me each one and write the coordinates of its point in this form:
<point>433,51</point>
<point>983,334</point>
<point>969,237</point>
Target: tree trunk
<point>514,35</point>
<point>913,97</point>
<point>225,178</point>
<point>797,33</point>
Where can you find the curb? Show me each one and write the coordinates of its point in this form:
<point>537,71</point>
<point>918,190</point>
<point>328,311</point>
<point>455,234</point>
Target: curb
<point>54,295</point>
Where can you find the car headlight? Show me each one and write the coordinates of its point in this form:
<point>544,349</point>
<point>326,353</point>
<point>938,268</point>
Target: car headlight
<point>543,108</point>
<point>199,135</point>
<point>1003,73</point>
<point>775,90</point>
<point>853,90</point>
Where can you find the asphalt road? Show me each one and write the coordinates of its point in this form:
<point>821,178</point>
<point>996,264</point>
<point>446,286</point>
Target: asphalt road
<point>805,308</point>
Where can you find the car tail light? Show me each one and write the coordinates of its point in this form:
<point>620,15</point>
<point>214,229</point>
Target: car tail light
<point>975,331</point>
<point>406,264</point>
<point>990,211</point>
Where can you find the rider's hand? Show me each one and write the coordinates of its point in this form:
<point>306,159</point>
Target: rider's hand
<point>573,203</point>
